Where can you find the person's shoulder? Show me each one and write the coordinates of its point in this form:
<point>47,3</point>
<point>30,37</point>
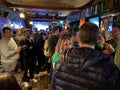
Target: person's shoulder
<point>2,40</point>
<point>113,66</point>
<point>53,37</point>
<point>110,68</point>
<point>85,50</point>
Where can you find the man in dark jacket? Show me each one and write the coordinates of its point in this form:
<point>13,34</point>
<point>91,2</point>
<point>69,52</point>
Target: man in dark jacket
<point>28,56</point>
<point>52,41</point>
<point>85,68</point>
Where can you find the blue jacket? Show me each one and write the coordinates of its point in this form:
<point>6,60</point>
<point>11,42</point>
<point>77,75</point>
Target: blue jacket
<point>85,69</point>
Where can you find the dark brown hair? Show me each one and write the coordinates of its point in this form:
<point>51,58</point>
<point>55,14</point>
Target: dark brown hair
<point>54,29</point>
<point>6,28</point>
<point>8,82</point>
<point>88,33</point>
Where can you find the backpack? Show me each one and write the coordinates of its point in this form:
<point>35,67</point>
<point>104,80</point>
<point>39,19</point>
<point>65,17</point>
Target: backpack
<point>46,49</point>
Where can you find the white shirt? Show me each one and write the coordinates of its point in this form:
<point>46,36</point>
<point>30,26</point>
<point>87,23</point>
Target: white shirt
<point>7,52</point>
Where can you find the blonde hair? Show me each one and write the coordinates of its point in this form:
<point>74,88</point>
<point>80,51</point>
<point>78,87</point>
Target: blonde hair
<point>58,46</point>
<point>60,43</point>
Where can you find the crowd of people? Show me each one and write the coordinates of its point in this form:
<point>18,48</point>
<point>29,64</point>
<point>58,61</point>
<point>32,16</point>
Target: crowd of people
<point>82,60</point>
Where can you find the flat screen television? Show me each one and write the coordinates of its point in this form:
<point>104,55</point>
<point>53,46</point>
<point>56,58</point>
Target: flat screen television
<point>110,24</point>
<point>40,25</point>
<point>95,20</point>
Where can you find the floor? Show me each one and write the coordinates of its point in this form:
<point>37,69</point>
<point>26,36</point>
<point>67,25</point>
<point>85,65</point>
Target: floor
<point>42,84</point>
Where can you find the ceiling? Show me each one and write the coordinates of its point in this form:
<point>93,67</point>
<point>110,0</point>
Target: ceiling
<point>36,9</point>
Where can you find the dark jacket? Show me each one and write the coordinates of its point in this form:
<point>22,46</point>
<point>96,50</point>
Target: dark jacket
<point>27,52</point>
<point>40,44</point>
<point>85,69</point>
<point>52,41</point>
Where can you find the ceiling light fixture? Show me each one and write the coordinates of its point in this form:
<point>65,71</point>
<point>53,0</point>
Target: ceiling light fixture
<point>22,15</point>
<point>31,22</point>
<point>14,9</point>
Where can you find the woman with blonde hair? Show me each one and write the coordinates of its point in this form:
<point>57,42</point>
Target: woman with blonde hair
<point>63,43</point>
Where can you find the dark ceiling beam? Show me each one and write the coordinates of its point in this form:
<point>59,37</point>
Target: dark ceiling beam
<point>2,2</point>
<point>38,19</point>
<point>44,17</point>
<point>40,7</point>
<point>41,19</point>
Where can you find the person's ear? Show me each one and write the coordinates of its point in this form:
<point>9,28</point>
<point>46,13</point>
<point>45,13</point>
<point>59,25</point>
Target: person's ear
<point>78,38</point>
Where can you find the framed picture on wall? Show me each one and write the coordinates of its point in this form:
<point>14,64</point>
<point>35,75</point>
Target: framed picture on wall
<point>88,12</point>
<point>83,14</point>
<point>105,5</point>
<point>116,19</point>
<point>99,7</point>
<point>116,3</point>
<point>93,9</point>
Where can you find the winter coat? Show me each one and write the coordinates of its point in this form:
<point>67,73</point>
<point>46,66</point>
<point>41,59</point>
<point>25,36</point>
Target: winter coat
<point>85,69</point>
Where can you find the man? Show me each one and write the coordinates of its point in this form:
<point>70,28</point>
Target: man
<point>28,56</point>
<point>40,53</point>
<point>85,68</point>
<point>9,52</point>
<point>50,43</point>
<point>116,37</point>
<point>52,40</point>
<point>18,36</point>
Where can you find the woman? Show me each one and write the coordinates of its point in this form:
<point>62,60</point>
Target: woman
<point>63,43</point>
<point>8,82</point>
